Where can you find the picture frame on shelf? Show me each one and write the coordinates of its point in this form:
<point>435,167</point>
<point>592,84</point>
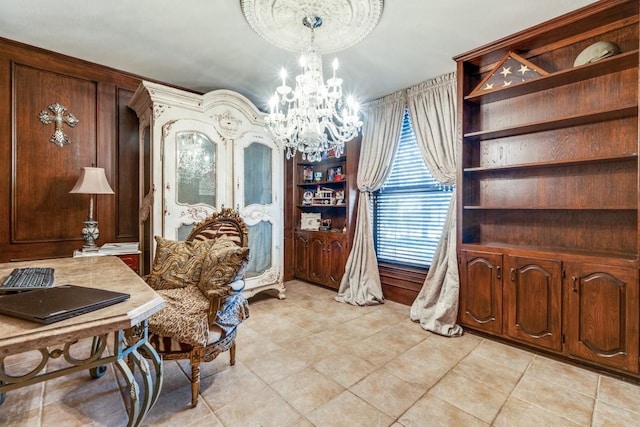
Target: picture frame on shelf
<point>339,174</point>
<point>307,173</point>
<point>331,174</point>
<point>310,221</point>
<point>326,224</point>
<point>329,154</point>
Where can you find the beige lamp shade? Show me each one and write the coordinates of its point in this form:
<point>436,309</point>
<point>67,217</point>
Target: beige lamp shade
<point>92,181</point>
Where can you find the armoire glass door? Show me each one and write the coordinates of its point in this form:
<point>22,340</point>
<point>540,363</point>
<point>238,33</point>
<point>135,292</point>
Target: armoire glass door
<point>258,198</point>
<point>190,174</point>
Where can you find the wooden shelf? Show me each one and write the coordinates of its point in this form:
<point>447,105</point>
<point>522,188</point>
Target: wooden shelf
<point>547,208</point>
<point>553,163</point>
<point>549,251</point>
<point>342,206</point>
<point>331,231</point>
<point>316,183</point>
<point>323,162</point>
<point>613,64</point>
<point>558,123</point>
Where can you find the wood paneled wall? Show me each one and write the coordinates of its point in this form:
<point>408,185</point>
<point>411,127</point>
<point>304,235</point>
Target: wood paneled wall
<point>401,284</point>
<point>38,216</point>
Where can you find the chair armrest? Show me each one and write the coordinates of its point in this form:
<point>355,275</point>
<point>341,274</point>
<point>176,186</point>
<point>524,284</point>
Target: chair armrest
<point>217,296</point>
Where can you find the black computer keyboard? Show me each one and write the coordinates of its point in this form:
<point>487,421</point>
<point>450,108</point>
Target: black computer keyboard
<point>23,279</point>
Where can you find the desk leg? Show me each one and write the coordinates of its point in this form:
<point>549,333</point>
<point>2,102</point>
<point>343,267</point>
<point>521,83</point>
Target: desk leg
<point>134,393</point>
<point>138,409</point>
<point>159,370</point>
<point>143,368</point>
<point>129,345</point>
<point>98,371</point>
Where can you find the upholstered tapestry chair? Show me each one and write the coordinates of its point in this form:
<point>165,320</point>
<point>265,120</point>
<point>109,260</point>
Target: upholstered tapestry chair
<point>201,280</point>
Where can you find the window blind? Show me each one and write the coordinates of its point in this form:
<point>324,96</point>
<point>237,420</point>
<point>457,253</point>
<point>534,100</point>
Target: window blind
<point>411,207</point>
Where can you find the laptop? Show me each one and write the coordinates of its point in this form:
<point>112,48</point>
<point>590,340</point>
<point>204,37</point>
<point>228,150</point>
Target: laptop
<point>58,303</point>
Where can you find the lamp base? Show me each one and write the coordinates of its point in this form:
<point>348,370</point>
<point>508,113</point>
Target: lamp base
<point>90,234</point>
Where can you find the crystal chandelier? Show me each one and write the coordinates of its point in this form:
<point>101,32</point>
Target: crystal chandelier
<point>313,118</point>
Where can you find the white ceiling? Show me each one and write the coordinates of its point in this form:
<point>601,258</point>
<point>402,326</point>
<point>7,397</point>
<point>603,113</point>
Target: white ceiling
<point>207,44</point>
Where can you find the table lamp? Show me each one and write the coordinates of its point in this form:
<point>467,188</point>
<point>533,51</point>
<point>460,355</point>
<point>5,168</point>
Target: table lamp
<point>92,181</point>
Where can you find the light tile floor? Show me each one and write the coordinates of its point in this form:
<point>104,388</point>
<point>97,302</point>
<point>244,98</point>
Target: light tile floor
<point>310,361</point>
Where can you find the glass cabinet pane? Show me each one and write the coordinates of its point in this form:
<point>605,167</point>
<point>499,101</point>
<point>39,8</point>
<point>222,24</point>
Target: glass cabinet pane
<point>260,236</point>
<point>257,175</point>
<point>184,230</point>
<point>195,169</point>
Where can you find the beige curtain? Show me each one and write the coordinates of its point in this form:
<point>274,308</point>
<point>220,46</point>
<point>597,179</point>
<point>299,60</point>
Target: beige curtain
<point>360,283</point>
<point>432,107</point>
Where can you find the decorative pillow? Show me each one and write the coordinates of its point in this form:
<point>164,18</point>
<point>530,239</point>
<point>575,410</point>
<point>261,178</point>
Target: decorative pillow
<point>177,264</point>
<point>222,264</point>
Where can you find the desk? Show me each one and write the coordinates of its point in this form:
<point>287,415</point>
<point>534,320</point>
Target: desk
<point>125,323</point>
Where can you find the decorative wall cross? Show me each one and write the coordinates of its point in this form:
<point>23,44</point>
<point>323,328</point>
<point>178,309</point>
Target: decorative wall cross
<point>58,117</point>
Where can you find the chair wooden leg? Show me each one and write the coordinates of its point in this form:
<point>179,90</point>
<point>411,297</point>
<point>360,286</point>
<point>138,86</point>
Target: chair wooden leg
<point>232,353</point>
<point>195,383</point>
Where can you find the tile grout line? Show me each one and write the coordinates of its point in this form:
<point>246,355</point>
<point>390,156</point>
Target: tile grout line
<point>512,390</point>
<point>439,380</point>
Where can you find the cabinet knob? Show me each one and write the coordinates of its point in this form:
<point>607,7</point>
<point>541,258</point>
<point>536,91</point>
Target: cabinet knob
<point>513,274</point>
<point>574,280</point>
<point>499,272</point>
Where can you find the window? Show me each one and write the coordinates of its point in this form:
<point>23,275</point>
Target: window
<point>410,209</point>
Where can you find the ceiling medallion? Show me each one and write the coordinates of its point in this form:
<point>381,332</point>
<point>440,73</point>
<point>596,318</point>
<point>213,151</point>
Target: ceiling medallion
<point>345,22</point>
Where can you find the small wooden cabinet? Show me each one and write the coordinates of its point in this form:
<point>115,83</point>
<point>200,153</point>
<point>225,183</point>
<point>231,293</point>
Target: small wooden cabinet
<point>548,189</point>
<point>532,301</point>
<point>481,304</point>
<point>321,256</point>
<point>601,315</point>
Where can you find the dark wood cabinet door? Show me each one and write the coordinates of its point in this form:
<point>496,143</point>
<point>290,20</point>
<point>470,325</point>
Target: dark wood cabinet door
<point>316,258</point>
<point>336,259</point>
<point>481,291</point>
<point>301,269</point>
<point>532,301</point>
<point>602,314</point>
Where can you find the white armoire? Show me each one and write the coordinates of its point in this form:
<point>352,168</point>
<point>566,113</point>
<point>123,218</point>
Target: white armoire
<point>200,153</point>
